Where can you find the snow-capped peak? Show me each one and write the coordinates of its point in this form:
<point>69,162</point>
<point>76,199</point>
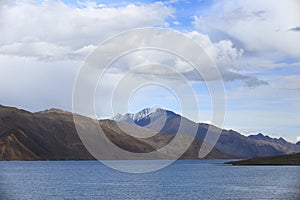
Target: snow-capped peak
<point>145,113</point>
<point>130,117</point>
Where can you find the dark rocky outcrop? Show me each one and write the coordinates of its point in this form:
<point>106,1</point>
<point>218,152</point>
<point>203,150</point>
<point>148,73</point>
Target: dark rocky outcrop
<point>291,159</point>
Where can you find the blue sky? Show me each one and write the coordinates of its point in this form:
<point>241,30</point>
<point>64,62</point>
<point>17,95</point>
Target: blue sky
<point>253,43</point>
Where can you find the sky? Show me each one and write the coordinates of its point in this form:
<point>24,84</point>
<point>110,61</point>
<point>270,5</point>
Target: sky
<point>254,44</point>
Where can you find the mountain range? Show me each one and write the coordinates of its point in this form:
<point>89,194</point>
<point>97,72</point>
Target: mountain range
<point>52,135</point>
<point>230,142</point>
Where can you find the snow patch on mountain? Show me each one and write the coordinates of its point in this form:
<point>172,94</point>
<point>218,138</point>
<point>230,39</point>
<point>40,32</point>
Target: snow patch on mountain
<point>135,117</point>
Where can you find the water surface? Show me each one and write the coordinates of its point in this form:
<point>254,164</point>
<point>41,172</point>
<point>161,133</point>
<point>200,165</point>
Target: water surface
<point>202,179</point>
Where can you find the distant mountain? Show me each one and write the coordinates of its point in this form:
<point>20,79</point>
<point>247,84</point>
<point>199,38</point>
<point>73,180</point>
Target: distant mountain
<point>279,143</point>
<point>260,136</point>
<point>290,159</point>
<point>51,135</point>
<point>298,143</point>
<point>229,142</point>
<point>144,117</point>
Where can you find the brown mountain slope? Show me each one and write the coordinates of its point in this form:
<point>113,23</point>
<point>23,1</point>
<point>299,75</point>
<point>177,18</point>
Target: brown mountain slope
<point>158,141</point>
<point>51,135</point>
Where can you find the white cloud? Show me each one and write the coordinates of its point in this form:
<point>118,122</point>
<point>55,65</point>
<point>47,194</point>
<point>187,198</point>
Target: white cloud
<point>39,49</point>
<point>58,26</point>
<point>222,52</point>
<point>176,23</point>
<point>64,32</point>
<point>259,26</point>
<point>227,58</point>
<point>45,51</point>
<point>42,45</point>
<point>85,49</point>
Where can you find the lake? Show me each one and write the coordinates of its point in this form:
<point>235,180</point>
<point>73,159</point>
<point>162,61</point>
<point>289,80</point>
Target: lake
<point>199,179</point>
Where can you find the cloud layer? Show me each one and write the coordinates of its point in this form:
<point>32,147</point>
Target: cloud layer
<point>55,29</point>
<point>43,44</point>
<point>258,26</point>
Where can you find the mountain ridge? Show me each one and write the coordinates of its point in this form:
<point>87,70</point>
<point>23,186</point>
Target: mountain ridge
<point>52,135</point>
<point>230,141</point>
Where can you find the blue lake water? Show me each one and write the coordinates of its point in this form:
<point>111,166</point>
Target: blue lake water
<point>203,179</point>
